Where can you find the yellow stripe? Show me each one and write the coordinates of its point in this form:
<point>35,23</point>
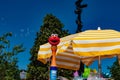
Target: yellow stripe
<point>69,56</point>
<point>99,34</point>
<point>43,56</point>
<point>95,34</point>
<point>97,53</point>
<point>48,48</point>
<point>67,44</point>
<point>67,67</point>
<point>70,46</point>
<point>88,62</point>
<point>104,44</point>
<point>44,49</point>
<point>95,37</point>
<point>89,38</point>
<point>42,60</point>
<point>68,61</point>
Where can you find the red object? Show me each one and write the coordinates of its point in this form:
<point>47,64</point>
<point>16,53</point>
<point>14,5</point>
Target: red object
<point>54,40</point>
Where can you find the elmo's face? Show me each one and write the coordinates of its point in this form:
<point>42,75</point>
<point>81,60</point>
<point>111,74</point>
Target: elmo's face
<point>54,40</point>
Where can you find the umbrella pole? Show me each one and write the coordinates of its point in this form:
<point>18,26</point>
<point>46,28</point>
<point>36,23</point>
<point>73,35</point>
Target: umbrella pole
<point>99,67</point>
<point>118,57</point>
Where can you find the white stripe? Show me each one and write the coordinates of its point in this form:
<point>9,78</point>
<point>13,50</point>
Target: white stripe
<point>69,50</point>
<point>96,48</point>
<point>70,46</point>
<point>44,52</point>
<point>63,48</point>
<point>73,55</point>
<point>68,54</point>
<point>49,46</point>
<point>96,41</point>
<point>45,46</point>
<point>64,42</point>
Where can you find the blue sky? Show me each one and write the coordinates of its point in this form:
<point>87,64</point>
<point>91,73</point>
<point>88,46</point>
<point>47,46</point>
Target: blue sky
<point>24,17</point>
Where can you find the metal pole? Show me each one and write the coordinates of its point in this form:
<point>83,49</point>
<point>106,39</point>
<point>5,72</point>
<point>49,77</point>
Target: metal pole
<point>99,67</point>
<point>118,57</point>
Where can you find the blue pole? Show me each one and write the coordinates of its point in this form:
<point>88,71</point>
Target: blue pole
<point>53,73</point>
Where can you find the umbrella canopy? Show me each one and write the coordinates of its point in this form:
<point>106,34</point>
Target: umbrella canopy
<point>84,46</point>
<point>66,59</point>
<point>97,43</point>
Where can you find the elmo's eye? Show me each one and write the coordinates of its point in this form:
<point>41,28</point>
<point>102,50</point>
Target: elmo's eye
<point>54,34</point>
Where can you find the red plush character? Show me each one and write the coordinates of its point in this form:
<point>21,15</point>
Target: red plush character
<point>54,40</point>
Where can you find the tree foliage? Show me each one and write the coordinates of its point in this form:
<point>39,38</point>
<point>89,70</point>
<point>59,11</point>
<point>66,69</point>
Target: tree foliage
<point>36,69</point>
<point>115,70</point>
<point>8,61</point>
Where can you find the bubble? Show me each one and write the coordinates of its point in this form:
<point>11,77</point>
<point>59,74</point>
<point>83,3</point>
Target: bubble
<point>22,30</point>
<point>28,31</point>
<point>15,35</point>
<point>2,18</point>
<point>21,35</point>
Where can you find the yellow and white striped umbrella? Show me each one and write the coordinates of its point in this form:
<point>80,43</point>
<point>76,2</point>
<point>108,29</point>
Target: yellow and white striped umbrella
<point>97,43</point>
<point>84,46</point>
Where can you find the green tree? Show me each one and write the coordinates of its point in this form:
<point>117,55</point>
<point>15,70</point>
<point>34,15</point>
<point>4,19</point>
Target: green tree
<point>115,70</point>
<point>8,61</point>
<point>36,69</point>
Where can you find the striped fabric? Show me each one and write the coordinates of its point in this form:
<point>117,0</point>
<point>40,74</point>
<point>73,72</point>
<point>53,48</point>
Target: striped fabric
<point>66,59</point>
<point>97,43</point>
<point>84,46</point>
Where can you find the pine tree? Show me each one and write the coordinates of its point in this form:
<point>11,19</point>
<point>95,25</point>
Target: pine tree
<point>8,61</point>
<point>115,70</point>
<point>36,69</point>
